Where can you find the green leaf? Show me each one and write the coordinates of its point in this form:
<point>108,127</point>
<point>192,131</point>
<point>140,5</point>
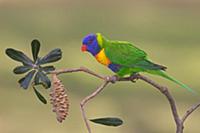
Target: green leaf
<point>44,79</point>
<point>39,95</point>
<point>25,81</point>
<point>35,44</point>
<point>52,56</point>
<point>48,68</point>
<point>21,69</point>
<point>37,79</point>
<point>108,121</point>
<point>19,56</point>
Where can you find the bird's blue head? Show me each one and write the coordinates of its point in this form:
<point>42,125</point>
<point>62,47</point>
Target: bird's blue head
<point>90,44</point>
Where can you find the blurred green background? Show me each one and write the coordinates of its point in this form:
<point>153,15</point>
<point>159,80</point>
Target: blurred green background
<point>168,30</point>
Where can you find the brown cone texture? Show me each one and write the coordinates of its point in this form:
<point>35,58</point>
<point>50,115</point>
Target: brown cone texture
<point>59,99</point>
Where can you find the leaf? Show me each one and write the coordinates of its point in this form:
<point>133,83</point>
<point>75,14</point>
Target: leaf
<point>25,81</point>
<point>44,79</point>
<point>39,95</point>
<point>52,56</point>
<point>48,68</point>
<point>37,79</point>
<point>35,44</point>
<point>21,69</point>
<point>19,56</point>
<point>108,121</point>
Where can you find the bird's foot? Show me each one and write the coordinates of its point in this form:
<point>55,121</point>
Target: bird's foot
<point>134,77</point>
<point>112,79</point>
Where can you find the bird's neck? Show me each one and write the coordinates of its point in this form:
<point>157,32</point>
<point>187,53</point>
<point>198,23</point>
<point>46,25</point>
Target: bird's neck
<point>101,41</point>
<point>96,50</point>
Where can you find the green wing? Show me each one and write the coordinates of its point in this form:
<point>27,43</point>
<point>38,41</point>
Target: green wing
<point>127,55</point>
<point>123,53</point>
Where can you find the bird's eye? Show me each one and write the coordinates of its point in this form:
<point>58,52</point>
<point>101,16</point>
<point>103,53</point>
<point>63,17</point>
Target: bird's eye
<point>90,41</point>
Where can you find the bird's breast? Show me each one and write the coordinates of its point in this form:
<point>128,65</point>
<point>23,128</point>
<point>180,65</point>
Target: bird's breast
<point>102,58</point>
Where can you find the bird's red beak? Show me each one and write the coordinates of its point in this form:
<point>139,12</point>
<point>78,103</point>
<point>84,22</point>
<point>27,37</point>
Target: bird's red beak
<point>84,48</point>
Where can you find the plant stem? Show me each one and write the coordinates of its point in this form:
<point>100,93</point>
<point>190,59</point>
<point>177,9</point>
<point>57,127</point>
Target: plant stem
<point>113,79</point>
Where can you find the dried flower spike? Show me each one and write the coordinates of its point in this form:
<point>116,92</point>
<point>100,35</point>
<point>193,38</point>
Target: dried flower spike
<point>59,99</point>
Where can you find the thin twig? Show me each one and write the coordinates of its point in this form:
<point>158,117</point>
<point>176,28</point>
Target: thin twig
<point>81,69</point>
<point>86,99</point>
<point>190,111</point>
<point>113,79</point>
<point>165,91</point>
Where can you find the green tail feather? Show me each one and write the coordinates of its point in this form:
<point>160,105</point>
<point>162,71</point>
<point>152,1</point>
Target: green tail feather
<point>163,74</point>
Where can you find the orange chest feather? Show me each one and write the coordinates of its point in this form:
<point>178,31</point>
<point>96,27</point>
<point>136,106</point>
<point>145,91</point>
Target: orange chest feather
<point>101,58</point>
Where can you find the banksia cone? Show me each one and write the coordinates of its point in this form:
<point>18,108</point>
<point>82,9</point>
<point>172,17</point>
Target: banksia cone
<point>59,99</point>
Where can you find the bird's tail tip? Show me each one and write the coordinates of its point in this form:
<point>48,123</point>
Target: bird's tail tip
<point>163,74</point>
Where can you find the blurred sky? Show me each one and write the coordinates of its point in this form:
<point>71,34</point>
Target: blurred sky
<point>168,30</point>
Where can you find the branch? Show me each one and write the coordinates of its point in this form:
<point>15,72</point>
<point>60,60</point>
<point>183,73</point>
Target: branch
<point>165,91</point>
<point>81,69</point>
<point>190,111</point>
<point>113,79</point>
<point>86,99</point>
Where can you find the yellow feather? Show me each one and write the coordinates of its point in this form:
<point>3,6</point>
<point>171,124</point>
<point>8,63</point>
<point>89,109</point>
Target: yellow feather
<point>101,58</point>
<point>99,39</point>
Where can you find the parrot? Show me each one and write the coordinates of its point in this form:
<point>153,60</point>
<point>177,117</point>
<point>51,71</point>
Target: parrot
<point>123,58</point>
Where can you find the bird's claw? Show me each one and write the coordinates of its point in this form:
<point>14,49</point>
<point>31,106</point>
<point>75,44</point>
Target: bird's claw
<point>134,78</point>
<point>134,81</point>
<point>111,79</point>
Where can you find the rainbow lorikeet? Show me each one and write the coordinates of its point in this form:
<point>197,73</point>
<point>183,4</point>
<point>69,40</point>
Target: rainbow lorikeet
<point>123,57</point>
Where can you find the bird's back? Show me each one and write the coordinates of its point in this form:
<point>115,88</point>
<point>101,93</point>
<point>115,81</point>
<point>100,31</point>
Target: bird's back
<point>127,55</point>
<point>122,52</point>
